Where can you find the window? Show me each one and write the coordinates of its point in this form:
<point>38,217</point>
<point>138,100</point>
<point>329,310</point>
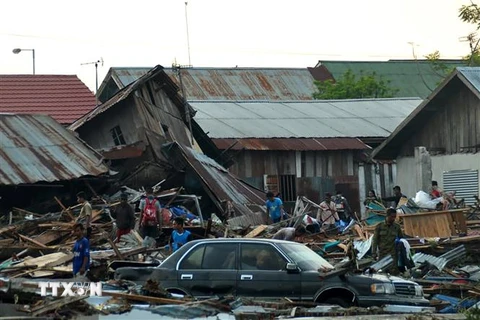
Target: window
<point>261,257</point>
<point>117,136</point>
<point>220,256</point>
<point>288,187</point>
<point>194,259</point>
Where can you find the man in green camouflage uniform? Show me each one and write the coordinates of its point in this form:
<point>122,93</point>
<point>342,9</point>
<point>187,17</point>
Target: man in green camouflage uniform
<point>384,238</point>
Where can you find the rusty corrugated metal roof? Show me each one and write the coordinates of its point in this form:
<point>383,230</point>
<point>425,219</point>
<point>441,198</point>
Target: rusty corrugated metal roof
<point>293,144</point>
<point>221,183</point>
<point>229,83</point>
<point>36,148</point>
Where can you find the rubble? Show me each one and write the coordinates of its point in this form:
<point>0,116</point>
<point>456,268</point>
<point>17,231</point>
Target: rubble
<point>38,246</point>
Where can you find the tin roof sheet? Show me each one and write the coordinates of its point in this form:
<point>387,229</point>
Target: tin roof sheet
<point>282,144</point>
<point>229,83</point>
<point>412,78</point>
<point>302,119</point>
<point>36,148</point>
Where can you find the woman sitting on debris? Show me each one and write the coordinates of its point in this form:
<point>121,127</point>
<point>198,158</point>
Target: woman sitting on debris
<point>371,197</point>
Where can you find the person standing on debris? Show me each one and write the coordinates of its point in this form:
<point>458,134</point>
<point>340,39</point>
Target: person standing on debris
<point>124,217</point>
<point>397,195</point>
<point>180,236</point>
<point>383,242</point>
<point>327,213</point>
<point>81,251</point>
<point>85,212</point>
<point>150,220</point>
<point>343,208</point>
<point>274,207</point>
<point>289,234</point>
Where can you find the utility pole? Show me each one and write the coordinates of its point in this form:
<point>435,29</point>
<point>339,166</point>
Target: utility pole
<point>178,69</point>
<point>96,76</point>
<point>188,37</point>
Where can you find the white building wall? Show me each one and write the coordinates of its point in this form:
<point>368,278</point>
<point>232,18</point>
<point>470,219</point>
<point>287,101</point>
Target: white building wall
<point>406,169</point>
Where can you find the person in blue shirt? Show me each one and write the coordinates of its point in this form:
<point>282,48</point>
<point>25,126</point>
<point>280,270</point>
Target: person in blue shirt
<point>81,251</point>
<point>274,207</point>
<point>179,236</point>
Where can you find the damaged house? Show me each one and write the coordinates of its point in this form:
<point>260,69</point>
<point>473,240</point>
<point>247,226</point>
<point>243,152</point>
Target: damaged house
<point>447,124</point>
<point>40,160</point>
<point>147,133</point>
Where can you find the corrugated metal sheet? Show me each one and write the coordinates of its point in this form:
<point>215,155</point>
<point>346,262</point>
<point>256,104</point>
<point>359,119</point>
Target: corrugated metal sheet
<point>472,74</point>
<point>412,78</point>
<point>36,148</point>
<point>300,144</point>
<point>303,119</point>
<point>443,260</point>
<point>463,182</point>
<point>221,183</point>
<point>232,83</point>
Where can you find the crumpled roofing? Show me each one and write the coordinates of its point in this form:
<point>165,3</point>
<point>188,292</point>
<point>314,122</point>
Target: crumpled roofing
<point>36,148</point>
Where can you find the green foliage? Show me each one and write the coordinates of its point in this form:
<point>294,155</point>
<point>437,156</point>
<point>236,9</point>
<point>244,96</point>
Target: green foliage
<point>470,14</point>
<point>472,314</point>
<point>348,86</point>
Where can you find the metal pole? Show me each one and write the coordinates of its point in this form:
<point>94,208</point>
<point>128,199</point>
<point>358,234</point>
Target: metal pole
<point>188,37</point>
<point>33,56</point>
<point>96,83</point>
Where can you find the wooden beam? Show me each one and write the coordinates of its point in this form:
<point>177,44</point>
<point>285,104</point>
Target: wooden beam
<point>54,305</point>
<point>148,299</point>
<point>33,241</point>
<point>65,209</point>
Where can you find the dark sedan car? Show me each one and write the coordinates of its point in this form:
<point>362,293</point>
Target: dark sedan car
<point>270,269</point>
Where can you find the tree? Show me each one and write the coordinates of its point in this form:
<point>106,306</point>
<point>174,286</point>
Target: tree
<point>469,14</point>
<point>348,86</point>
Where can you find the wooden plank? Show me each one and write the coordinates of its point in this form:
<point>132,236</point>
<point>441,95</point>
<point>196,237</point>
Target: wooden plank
<point>32,241</point>
<point>148,299</point>
<point>48,237</point>
<point>56,304</point>
<point>64,209</point>
<point>137,236</point>
<point>257,231</point>
<point>48,260</point>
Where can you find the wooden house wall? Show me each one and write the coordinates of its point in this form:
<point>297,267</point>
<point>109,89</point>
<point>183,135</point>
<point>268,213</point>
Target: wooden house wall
<point>96,132</point>
<point>454,128</point>
<point>146,110</point>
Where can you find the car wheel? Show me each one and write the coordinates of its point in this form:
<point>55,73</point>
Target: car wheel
<point>339,301</point>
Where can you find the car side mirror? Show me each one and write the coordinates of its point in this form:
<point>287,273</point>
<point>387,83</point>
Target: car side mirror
<point>291,268</point>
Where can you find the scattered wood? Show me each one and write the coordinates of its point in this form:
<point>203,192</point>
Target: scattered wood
<point>256,232</point>
<point>54,305</point>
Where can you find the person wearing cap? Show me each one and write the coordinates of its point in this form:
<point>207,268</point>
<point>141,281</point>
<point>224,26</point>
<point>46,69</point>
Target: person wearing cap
<point>124,217</point>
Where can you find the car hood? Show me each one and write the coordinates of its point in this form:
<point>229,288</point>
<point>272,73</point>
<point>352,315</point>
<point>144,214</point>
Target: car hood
<point>384,278</point>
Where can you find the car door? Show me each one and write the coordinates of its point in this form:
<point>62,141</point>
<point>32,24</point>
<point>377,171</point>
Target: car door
<point>209,269</point>
<point>262,273</point>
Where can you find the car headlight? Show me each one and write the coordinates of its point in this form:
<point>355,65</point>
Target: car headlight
<point>419,291</point>
<point>382,288</point>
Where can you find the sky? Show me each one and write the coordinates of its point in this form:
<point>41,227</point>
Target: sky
<point>222,33</point>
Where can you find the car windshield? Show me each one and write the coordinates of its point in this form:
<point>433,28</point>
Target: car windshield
<point>305,258</point>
